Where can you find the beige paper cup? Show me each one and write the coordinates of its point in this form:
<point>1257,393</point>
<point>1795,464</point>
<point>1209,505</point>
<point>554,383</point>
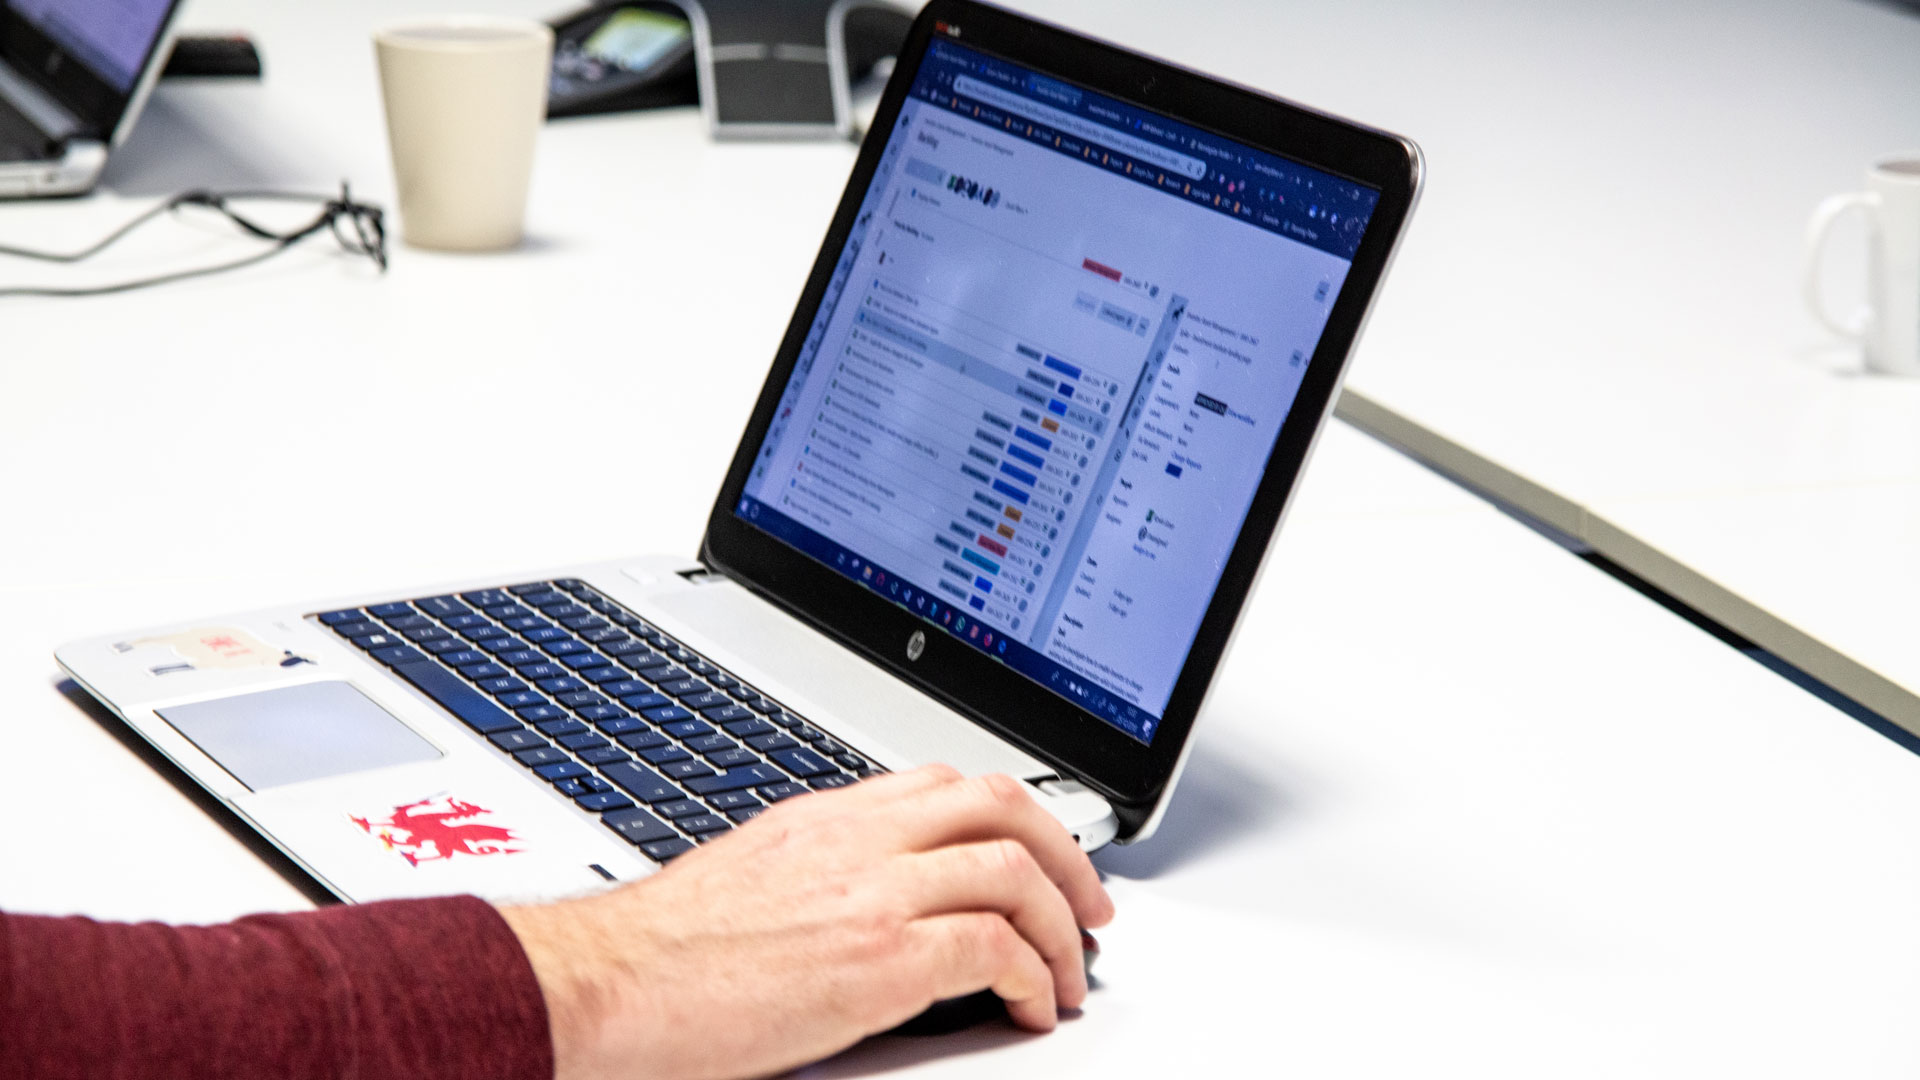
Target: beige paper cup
<point>465,97</point>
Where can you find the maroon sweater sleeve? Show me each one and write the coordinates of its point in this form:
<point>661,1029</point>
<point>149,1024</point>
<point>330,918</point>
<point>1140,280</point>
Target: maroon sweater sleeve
<point>414,989</point>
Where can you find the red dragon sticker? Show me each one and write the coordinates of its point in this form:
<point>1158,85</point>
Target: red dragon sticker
<point>438,828</point>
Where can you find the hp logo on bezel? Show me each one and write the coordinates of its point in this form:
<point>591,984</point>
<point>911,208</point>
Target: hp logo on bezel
<point>916,645</point>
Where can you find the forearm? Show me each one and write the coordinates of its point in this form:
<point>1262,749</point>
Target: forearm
<point>420,989</point>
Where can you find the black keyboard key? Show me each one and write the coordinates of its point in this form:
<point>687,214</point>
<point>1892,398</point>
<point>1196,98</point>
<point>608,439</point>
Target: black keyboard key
<point>561,684</point>
<point>506,684</point>
<point>684,688</point>
<point>707,700</point>
<point>606,637</point>
<point>441,645</point>
<point>508,650</point>
<point>583,740</point>
<point>603,800</point>
<point>537,669</point>
<point>480,630</point>
<point>621,646</point>
<point>782,718</point>
<point>478,672</point>
<point>712,742</point>
<point>830,780</point>
<point>518,738</point>
<point>727,759</point>
<point>666,714</point>
<point>664,755</point>
<point>849,761</point>
<point>520,624</point>
<point>561,646</point>
<point>358,630</point>
<point>529,587</point>
<point>642,658</point>
<point>424,633</point>
<point>665,850</point>
<point>641,782</point>
<point>641,702</point>
<point>596,783</point>
<point>561,770</point>
<point>745,814</point>
<point>566,725</point>
<point>802,762</point>
<point>680,653</point>
<point>723,681</point>
<point>731,800</point>
<point>704,823</point>
<point>602,676</point>
<point>463,701</point>
<point>381,640</point>
<point>561,613</point>
<point>464,623</point>
<point>618,723</point>
<point>547,635</point>
<point>399,654</point>
<point>727,713</point>
<point>441,607</point>
<point>679,808</point>
<point>588,659</point>
<point>584,623</point>
<point>747,727</point>
<point>668,674</point>
<point>581,699</point>
<point>533,714</point>
<point>521,699</point>
<point>770,742</point>
<point>485,598</point>
<point>637,826</point>
<point>761,705</point>
<point>463,656</point>
<point>684,770</point>
<point>540,755</point>
<point>645,739</point>
<point>336,618</point>
<point>594,714</point>
<point>702,668</point>
<point>786,789</point>
<point>745,776</point>
<point>395,610</point>
<point>686,729</point>
<point>572,789</point>
<point>606,755</point>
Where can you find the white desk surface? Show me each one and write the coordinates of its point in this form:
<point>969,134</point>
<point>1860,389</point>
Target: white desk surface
<point>1460,803</point>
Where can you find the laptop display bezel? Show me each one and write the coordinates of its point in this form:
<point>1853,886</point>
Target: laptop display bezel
<point>1129,773</point>
<point>79,88</point>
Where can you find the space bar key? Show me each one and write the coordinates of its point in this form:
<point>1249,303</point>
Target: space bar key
<point>735,779</point>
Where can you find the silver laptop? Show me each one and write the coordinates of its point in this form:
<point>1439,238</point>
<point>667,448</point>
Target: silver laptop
<point>1006,490</point>
<point>74,75</point>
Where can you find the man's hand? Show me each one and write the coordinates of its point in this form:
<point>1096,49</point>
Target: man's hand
<point>828,918</point>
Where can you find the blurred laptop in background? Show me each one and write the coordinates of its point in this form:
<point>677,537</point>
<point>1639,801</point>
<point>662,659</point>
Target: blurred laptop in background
<point>73,77</point>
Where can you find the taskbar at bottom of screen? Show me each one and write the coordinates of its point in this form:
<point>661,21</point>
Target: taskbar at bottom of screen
<point>953,619</point>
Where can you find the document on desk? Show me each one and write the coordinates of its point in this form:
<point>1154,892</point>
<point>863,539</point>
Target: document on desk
<point>1040,394</point>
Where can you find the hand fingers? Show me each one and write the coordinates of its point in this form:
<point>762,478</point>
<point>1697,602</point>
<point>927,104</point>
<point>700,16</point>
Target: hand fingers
<point>975,950</point>
<point>1001,876</point>
<point>996,807</point>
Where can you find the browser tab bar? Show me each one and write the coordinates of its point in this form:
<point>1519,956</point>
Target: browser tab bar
<point>1078,126</point>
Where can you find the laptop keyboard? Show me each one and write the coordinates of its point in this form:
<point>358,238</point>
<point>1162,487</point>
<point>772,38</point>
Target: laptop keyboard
<point>667,749</point>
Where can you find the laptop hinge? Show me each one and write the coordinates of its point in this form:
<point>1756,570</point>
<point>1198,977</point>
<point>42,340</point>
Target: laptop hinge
<point>703,575</point>
<point>40,108</point>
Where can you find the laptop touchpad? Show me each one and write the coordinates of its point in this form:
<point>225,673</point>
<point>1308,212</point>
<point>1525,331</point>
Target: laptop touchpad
<point>294,733</point>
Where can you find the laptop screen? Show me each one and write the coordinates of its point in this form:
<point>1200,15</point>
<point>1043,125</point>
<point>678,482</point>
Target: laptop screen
<point>109,37</point>
<point>1056,350</point>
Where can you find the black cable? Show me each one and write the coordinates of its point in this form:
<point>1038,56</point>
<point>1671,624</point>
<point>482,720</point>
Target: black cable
<point>369,238</point>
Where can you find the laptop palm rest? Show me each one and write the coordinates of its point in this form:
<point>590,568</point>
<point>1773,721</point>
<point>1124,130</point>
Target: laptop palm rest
<point>869,708</point>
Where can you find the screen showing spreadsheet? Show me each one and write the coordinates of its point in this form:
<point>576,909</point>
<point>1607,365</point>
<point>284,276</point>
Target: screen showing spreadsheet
<point>1050,367</point>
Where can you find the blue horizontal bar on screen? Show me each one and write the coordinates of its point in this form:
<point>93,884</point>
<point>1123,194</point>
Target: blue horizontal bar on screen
<point>1018,473</point>
<point>1010,492</point>
<point>1028,456</point>
<point>1038,440</point>
<point>981,561</point>
<point>1062,367</point>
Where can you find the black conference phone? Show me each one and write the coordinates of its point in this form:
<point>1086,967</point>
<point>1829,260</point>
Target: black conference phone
<point>640,54</point>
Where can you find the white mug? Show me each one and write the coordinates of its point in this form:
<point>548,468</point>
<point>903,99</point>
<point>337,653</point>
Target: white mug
<point>465,98</point>
<point>1888,327</point>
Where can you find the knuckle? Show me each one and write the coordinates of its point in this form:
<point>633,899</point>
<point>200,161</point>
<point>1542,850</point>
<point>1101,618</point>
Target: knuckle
<point>1003,791</point>
<point>942,772</point>
<point>1010,860</point>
